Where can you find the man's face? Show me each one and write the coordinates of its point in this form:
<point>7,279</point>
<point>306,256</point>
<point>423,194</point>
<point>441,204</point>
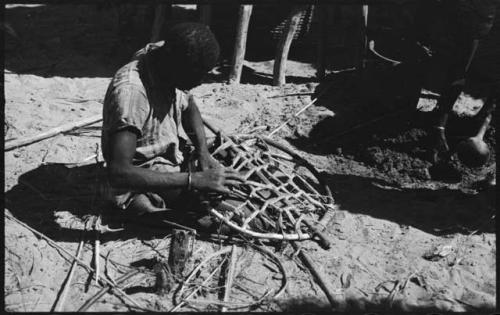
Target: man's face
<point>187,77</point>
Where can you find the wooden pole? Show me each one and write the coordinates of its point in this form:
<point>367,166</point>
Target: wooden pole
<point>244,14</point>
<point>364,36</point>
<point>9,145</point>
<point>158,22</point>
<point>58,306</point>
<point>337,303</point>
<point>284,45</point>
<point>205,12</point>
<point>230,275</point>
<point>322,11</point>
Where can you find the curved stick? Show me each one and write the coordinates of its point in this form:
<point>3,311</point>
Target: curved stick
<point>278,263</point>
<point>195,270</point>
<point>274,236</point>
<point>103,291</point>
<point>329,209</point>
<point>371,46</point>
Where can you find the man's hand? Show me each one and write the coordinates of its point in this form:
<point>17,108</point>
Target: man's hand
<point>217,179</point>
<point>207,162</point>
<point>439,145</point>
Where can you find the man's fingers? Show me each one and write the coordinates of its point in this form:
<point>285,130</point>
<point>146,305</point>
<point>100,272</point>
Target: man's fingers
<point>235,177</point>
<point>232,174</point>
<point>222,190</point>
<point>229,182</point>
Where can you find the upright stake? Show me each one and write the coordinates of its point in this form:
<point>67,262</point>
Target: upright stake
<point>240,44</point>
<point>205,11</point>
<point>160,10</point>
<point>230,275</point>
<point>322,41</point>
<point>284,45</point>
<point>364,36</point>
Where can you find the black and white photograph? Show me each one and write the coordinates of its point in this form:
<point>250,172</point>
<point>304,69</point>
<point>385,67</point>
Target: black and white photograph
<point>302,157</point>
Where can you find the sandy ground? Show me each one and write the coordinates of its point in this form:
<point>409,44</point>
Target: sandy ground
<point>393,210</point>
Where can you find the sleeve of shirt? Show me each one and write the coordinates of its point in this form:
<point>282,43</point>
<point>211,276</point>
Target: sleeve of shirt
<point>182,100</point>
<point>126,108</point>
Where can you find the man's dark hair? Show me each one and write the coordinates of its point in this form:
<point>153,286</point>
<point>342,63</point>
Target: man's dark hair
<point>192,45</point>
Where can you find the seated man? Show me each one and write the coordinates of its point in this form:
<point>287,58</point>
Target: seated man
<point>146,116</point>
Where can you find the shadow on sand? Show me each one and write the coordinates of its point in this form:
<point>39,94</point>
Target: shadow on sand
<point>438,212</point>
<point>52,197</point>
<point>49,197</point>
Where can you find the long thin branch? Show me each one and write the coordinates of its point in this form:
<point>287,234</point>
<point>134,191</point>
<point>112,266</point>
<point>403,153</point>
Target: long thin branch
<point>103,291</point>
<point>58,305</point>
<point>320,278</point>
<point>230,276</point>
<point>9,145</point>
<point>82,263</point>
<point>184,301</point>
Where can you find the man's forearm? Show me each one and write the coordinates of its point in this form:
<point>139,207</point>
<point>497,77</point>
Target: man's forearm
<point>136,178</point>
<point>193,124</point>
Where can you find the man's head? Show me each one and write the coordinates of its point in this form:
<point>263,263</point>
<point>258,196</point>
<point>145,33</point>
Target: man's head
<point>190,51</point>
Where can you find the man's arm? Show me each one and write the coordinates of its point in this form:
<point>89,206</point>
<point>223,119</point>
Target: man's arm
<point>123,174</point>
<point>193,124</point>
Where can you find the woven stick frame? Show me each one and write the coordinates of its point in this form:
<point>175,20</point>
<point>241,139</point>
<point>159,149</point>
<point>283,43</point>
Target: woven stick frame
<point>274,193</point>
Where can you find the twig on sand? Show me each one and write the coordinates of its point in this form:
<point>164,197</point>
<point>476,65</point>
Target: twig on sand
<point>185,300</point>
<point>8,307</point>
<point>59,303</point>
<point>61,249</point>
<point>300,111</point>
<point>284,280</point>
<point>180,226</point>
<point>103,291</point>
<point>106,271</point>
<point>52,132</point>
<point>230,276</point>
<point>322,281</point>
<point>394,291</point>
<point>232,305</point>
<point>362,125</point>
<point>97,248</point>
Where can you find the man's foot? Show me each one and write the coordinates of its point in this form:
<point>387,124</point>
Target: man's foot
<point>210,225</point>
<point>146,203</point>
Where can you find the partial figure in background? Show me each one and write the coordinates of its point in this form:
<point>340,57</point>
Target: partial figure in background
<point>450,32</point>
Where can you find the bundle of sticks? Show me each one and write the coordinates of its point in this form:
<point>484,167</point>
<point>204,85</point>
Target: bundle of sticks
<point>280,200</point>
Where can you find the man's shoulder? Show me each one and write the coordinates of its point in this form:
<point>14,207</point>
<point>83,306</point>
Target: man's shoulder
<point>126,88</point>
<point>128,75</point>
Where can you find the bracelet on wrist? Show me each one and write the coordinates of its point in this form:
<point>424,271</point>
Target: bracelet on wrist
<point>189,179</point>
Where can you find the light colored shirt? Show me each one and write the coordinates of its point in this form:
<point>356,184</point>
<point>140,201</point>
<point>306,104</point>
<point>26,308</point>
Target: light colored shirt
<point>154,113</point>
